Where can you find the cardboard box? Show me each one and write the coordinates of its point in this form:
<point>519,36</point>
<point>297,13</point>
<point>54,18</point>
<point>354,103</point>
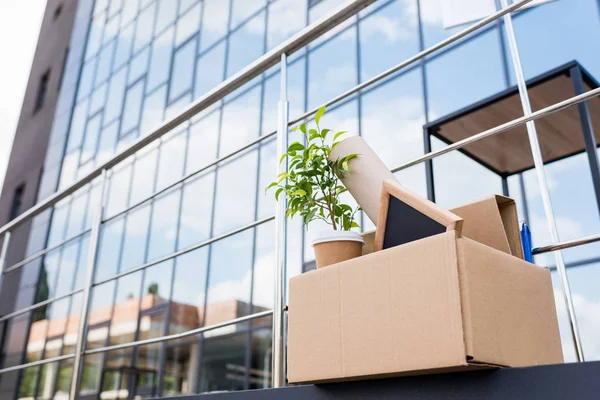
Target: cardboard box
<point>492,221</point>
<point>438,304</point>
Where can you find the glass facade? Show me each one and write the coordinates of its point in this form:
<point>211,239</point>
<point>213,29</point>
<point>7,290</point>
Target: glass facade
<point>133,64</point>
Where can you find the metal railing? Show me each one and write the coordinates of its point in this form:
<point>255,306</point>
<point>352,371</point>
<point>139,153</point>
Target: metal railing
<point>262,64</point>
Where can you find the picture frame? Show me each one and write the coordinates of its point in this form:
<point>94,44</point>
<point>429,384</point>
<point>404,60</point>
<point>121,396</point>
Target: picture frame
<point>405,216</point>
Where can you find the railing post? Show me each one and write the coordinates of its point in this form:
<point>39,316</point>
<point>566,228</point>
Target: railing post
<point>277,364</point>
<point>3,253</point>
<point>90,271</point>
<point>541,175</point>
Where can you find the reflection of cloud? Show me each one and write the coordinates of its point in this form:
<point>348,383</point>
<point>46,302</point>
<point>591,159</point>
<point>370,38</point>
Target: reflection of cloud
<point>238,289</point>
<point>391,29</point>
<point>588,318</point>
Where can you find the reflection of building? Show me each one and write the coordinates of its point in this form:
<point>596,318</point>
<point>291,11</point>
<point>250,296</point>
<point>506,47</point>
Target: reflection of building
<point>133,64</point>
<point>119,375</point>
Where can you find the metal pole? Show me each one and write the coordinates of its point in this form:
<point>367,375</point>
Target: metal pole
<point>278,378</point>
<point>91,268</point>
<point>5,244</point>
<point>541,175</point>
<point>587,129</point>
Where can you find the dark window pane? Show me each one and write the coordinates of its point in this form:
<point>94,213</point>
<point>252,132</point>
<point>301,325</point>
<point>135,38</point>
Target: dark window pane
<point>181,369</point>
<point>260,359</point>
<point>42,91</point>
<point>223,363</point>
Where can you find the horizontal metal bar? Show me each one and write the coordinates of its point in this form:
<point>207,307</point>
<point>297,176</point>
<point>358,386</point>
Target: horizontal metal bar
<point>37,363</point>
<point>37,305</point>
<point>186,250</point>
<point>567,244</point>
<point>191,175</point>
<point>260,65</point>
<point>420,55</point>
<point>502,128</point>
<point>180,335</point>
<point>45,251</point>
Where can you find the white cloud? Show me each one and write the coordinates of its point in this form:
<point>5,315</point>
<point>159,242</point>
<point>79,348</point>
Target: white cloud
<point>588,319</point>
<point>22,20</point>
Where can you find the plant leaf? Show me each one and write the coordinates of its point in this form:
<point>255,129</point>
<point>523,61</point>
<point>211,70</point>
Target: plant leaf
<point>319,114</point>
<point>271,185</point>
<point>302,127</point>
<point>296,146</point>
<point>283,156</point>
<point>299,192</point>
<point>277,193</point>
<point>337,135</point>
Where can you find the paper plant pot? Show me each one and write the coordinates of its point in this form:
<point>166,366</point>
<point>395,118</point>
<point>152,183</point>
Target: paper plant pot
<point>332,247</point>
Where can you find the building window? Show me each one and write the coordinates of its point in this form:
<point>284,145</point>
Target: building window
<point>42,90</point>
<point>15,208</point>
<point>57,12</point>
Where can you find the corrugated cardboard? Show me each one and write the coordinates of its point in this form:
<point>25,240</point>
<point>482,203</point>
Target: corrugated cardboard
<point>492,221</point>
<point>441,303</point>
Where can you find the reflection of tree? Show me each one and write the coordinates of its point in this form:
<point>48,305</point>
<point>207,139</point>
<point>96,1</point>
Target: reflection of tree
<point>153,288</point>
<point>42,294</point>
<point>28,382</point>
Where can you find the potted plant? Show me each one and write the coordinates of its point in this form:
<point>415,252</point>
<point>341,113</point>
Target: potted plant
<point>313,191</point>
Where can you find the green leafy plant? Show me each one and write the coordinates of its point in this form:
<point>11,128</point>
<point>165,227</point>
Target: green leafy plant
<point>311,183</point>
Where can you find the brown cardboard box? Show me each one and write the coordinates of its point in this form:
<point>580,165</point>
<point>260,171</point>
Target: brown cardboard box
<point>437,304</point>
<point>492,221</point>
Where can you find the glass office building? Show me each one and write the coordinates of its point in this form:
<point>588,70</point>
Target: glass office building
<point>136,63</point>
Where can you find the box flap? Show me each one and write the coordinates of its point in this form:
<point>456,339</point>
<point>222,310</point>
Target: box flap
<point>508,307</point>
<point>482,222</point>
<point>378,314</point>
<point>510,220</point>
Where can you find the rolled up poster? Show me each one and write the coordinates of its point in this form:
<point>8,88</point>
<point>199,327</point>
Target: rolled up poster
<point>367,173</point>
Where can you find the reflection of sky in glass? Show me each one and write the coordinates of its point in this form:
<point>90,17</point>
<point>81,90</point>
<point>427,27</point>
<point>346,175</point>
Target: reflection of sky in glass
<point>390,117</point>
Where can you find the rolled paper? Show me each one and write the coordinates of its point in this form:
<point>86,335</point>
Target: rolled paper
<point>366,176</point>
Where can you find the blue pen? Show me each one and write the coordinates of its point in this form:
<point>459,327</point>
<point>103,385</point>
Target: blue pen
<point>526,241</point>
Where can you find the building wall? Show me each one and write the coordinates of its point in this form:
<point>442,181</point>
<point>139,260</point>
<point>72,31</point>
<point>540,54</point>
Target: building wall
<point>143,62</point>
